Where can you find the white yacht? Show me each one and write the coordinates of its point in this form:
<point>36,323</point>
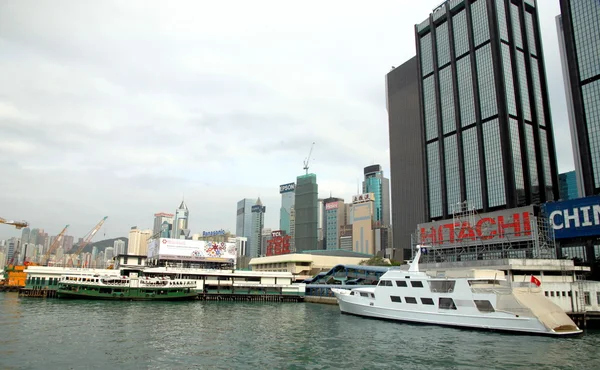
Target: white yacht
<point>479,299</point>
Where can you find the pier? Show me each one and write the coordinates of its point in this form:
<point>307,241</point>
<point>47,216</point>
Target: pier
<point>586,319</point>
<point>250,297</point>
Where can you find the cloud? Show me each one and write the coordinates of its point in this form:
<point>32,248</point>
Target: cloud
<point>120,109</point>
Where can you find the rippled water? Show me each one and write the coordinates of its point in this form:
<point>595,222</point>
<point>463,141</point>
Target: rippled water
<point>64,334</point>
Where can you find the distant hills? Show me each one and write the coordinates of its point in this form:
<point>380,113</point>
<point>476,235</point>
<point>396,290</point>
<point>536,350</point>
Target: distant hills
<point>102,244</point>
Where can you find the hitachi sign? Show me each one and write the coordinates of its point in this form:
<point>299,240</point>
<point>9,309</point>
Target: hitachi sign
<point>574,218</point>
<point>489,228</point>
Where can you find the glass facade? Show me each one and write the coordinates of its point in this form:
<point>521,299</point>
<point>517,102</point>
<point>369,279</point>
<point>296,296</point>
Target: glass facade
<point>580,28</point>
<point>469,140</point>
<point>377,184</point>
<point>243,221</point>
<point>567,183</point>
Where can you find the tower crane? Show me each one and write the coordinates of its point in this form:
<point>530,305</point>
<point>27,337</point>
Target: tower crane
<point>17,224</point>
<point>88,238</point>
<point>307,160</point>
<point>53,247</point>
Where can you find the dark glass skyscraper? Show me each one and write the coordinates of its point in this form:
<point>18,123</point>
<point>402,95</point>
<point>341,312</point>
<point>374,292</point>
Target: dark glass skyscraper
<point>567,185</point>
<point>377,184</point>
<point>406,154</point>
<point>306,212</point>
<point>484,102</point>
<point>579,36</point>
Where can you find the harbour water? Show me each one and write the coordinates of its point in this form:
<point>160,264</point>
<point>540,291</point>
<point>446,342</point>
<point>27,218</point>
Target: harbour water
<point>72,334</point>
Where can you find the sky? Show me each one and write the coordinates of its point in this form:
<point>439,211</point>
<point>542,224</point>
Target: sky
<point>124,108</point>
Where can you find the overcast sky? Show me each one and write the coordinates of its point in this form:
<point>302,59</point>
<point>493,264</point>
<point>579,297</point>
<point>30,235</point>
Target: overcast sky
<point>121,108</point>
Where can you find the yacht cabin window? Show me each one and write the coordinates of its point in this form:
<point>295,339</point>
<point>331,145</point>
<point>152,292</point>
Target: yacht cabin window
<point>362,294</point>
<point>446,304</point>
<point>484,306</point>
<point>412,300</point>
<point>395,298</point>
<point>401,283</point>
<point>427,301</point>
<point>442,286</point>
<point>385,283</point>
<point>416,284</point>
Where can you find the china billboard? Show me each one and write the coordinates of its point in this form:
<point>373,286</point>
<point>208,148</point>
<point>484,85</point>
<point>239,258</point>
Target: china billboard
<point>192,250</point>
<point>575,217</point>
<point>487,228</point>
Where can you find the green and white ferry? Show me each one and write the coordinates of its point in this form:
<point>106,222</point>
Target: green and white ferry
<point>130,288</point>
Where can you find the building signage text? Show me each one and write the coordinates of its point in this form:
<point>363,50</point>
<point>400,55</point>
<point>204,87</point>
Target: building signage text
<point>363,198</point>
<point>332,205</point>
<point>574,218</point>
<point>213,233</point>
<point>512,224</point>
<point>285,188</point>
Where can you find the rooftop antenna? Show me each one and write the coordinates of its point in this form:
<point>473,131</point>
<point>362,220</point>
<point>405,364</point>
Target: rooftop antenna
<point>307,160</point>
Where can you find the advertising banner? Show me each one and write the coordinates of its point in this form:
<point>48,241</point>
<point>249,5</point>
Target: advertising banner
<point>285,188</point>
<point>575,217</point>
<point>363,198</point>
<point>509,224</point>
<point>332,205</point>
<point>192,250</point>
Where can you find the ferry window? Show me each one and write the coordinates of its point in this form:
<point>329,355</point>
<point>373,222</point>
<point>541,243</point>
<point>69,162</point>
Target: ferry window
<point>416,284</point>
<point>395,299</point>
<point>598,297</point>
<point>125,260</point>
<point>401,283</point>
<point>484,305</point>
<point>558,294</point>
<point>139,260</point>
<point>546,294</point>
<point>446,304</point>
<point>442,286</point>
<point>364,294</point>
<point>428,301</point>
<point>552,294</point>
<point>412,300</point>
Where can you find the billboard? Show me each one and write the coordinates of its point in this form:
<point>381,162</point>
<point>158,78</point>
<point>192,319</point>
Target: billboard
<point>277,233</point>
<point>361,198</point>
<point>213,233</point>
<point>286,188</point>
<point>259,209</point>
<point>487,228</point>
<point>575,217</point>
<point>192,250</point>
<point>332,205</point>
<point>278,245</point>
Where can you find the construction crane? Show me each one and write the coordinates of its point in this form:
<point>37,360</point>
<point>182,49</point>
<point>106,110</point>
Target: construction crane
<point>53,247</point>
<point>87,239</point>
<point>17,224</point>
<point>307,160</point>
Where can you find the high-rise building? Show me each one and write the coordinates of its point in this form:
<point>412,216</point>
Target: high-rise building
<point>406,154</point>
<point>33,236</point>
<point>567,184</point>
<point>320,223</point>
<point>180,224</point>
<point>292,230</point>
<point>119,247</point>
<point>579,41</point>
<point>243,220</point>
<point>258,222</point>
<point>306,210</point>
<point>25,235</point>
<point>335,218</point>
<point>159,219</point>
<point>288,195</point>
<point>67,243</point>
<point>377,184</point>
<point>363,211</point>
<point>486,119</point>
<point>109,253</point>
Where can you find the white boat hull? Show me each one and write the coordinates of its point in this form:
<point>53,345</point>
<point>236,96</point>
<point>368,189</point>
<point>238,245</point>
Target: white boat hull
<point>361,306</point>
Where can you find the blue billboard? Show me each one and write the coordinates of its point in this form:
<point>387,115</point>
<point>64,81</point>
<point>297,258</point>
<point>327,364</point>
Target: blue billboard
<point>287,188</point>
<point>574,218</point>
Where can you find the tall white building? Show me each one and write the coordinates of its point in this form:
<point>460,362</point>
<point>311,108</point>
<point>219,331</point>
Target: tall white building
<point>258,221</point>
<point>138,241</point>
<point>119,247</point>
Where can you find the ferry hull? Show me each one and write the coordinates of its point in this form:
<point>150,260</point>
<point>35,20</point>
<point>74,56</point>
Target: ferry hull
<point>125,297</point>
<point>525,325</point>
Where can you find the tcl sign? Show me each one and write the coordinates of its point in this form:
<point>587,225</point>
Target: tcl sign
<point>329,206</point>
<point>512,224</point>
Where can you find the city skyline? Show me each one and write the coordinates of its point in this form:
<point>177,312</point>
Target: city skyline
<point>186,128</point>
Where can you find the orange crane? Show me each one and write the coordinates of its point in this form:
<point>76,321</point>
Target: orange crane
<point>17,224</point>
<point>54,245</point>
<point>87,239</point>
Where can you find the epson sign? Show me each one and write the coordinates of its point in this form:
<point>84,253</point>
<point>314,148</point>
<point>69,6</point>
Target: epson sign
<point>574,218</point>
<point>286,188</point>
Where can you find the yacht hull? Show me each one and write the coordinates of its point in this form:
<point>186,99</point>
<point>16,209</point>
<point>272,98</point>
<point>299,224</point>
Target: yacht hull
<point>497,321</point>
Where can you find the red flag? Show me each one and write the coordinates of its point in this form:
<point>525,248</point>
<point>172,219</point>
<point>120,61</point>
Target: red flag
<point>535,280</point>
